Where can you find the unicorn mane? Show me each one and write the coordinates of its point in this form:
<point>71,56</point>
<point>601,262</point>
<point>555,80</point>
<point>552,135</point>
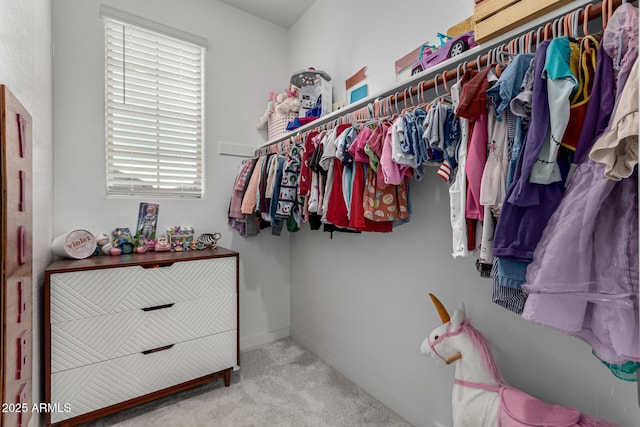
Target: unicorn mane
<point>480,343</point>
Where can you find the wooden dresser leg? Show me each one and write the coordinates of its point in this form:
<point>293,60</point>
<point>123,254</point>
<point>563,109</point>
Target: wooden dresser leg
<point>227,378</point>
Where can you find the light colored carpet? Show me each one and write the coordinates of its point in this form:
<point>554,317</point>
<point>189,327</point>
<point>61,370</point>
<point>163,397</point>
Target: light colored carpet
<point>279,384</point>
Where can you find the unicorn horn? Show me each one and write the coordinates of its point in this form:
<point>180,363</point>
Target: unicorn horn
<point>444,316</point>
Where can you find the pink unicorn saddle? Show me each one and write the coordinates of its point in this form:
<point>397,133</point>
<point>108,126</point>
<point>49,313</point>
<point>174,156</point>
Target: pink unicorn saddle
<point>518,409</point>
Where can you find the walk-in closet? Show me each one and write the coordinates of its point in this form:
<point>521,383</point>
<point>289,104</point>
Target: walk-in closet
<point>443,232</point>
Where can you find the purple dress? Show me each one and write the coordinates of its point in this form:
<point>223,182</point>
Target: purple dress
<point>584,276</point>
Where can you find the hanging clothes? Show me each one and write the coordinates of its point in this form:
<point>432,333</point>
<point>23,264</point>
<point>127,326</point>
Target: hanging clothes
<point>249,199</point>
<point>618,148</point>
<point>242,179</point>
<point>358,219</point>
<point>235,217</point>
<point>573,252</point>
<point>386,203</point>
<point>304,186</point>
<point>592,291</point>
<point>528,206</point>
<point>288,195</point>
<point>473,106</point>
<point>580,101</point>
<point>511,98</point>
<point>458,190</point>
<point>560,71</point>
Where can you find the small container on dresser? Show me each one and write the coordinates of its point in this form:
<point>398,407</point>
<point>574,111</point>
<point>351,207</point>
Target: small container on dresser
<point>16,277</point>
<point>120,331</point>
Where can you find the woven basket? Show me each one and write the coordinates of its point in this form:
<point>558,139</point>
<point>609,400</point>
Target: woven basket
<point>277,124</point>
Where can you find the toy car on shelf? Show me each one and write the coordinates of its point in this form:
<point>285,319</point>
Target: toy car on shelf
<point>431,55</point>
<point>162,244</point>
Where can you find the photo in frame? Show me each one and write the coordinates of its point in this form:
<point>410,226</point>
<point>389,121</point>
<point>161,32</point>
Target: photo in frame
<point>147,221</point>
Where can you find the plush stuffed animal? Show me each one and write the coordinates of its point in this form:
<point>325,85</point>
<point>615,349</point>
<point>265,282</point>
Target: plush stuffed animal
<point>264,119</point>
<point>481,398</point>
<point>281,103</point>
<point>287,102</point>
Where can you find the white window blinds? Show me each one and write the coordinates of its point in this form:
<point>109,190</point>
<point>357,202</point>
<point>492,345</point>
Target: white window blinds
<point>154,113</point>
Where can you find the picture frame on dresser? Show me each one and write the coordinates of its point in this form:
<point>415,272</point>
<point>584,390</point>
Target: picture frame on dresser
<point>128,330</point>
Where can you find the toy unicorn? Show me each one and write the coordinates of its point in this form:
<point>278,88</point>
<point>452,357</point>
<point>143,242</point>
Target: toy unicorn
<point>481,398</point>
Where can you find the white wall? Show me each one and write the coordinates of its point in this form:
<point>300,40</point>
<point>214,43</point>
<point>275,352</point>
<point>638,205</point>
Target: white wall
<point>360,301</point>
<point>340,37</point>
<point>245,59</point>
<point>25,68</point>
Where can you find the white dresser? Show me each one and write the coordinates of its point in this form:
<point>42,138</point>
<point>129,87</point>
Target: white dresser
<point>124,330</point>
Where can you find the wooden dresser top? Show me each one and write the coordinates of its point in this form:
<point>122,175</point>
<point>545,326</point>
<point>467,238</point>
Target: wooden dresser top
<point>148,259</point>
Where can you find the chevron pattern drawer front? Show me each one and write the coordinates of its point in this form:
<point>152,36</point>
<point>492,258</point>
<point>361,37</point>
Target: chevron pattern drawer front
<point>95,386</point>
<point>82,294</point>
<point>123,331</point>
<point>85,341</point>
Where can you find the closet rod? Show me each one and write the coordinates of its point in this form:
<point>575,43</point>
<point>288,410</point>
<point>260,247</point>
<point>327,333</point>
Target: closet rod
<point>594,11</point>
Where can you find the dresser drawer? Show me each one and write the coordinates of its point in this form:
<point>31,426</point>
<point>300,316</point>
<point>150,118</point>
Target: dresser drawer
<point>96,386</point>
<point>87,341</point>
<point>91,293</point>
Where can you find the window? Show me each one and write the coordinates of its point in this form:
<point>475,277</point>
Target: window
<point>154,111</point>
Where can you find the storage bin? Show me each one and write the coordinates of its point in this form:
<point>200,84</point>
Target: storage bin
<point>314,90</point>
<point>277,124</point>
<point>496,17</point>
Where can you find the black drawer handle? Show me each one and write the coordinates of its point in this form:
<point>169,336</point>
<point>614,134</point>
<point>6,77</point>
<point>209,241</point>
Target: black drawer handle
<point>158,307</point>
<point>156,350</point>
<point>158,265</point>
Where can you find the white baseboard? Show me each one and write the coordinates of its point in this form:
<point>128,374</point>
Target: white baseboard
<point>263,338</point>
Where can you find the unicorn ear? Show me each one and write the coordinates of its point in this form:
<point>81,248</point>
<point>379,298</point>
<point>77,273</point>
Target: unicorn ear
<point>457,318</point>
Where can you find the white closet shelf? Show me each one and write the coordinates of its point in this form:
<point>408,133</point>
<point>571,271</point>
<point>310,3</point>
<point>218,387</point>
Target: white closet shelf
<point>449,65</point>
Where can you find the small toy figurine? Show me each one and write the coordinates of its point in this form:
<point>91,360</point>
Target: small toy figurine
<point>120,237</point>
<point>126,247</point>
<point>102,239</point>
<point>210,240</point>
<point>150,244</point>
<point>141,248</point>
<point>106,249</point>
<point>147,220</point>
<point>103,244</point>
<point>431,55</point>
<point>162,244</point>
<point>216,236</point>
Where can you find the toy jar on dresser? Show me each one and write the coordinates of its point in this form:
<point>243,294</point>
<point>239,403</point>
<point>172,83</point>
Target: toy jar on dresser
<point>120,331</point>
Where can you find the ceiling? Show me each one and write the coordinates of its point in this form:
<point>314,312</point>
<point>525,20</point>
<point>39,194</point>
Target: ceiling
<point>280,12</point>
